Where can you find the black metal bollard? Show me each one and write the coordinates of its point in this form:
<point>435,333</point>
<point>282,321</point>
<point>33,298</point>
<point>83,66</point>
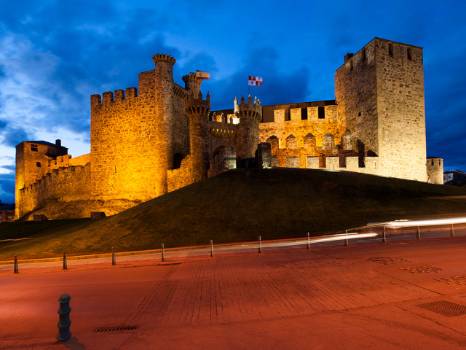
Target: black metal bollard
<point>163,252</point>
<point>15,265</point>
<point>418,233</point>
<point>259,249</point>
<point>384,235</point>
<point>308,242</point>
<point>65,262</point>
<point>211,248</point>
<point>346,239</point>
<point>452,231</point>
<point>113,257</point>
<point>64,322</point>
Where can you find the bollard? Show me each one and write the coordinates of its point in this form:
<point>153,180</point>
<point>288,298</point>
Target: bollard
<point>346,240</point>
<point>163,252</point>
<point>15,265</point>
<point>211,248</point>
<point>418,233</point>
<point>308,242</point>
<point>384,235</point>
<point>113,257</point>
<point>64,322</point>
<point>259,249</point>
<point>65,262</point>
<point>452,231</point>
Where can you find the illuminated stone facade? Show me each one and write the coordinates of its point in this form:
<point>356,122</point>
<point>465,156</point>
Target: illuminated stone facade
<point>161,136</point>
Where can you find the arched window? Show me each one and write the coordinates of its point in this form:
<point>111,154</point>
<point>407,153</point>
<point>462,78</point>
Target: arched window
<point>346,141</point>
<point>291,142</point>
<point>273,140</point>
<point>309,142</point>
<point>328,142</point>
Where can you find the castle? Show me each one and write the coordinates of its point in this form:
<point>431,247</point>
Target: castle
<point>159,137</point>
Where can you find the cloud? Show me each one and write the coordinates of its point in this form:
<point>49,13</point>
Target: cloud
<point>7,187</point>
<point>280,86</point>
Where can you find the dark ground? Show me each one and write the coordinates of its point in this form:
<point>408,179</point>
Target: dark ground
<point>238,206</point>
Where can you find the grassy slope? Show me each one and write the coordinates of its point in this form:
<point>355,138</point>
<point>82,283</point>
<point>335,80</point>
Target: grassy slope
<point>241,204</point>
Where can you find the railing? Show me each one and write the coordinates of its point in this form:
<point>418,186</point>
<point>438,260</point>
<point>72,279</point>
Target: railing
<point>382,232</point>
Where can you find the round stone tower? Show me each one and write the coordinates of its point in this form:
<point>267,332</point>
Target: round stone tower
<point>435,171</point>
<point>250,114</point>
<point>198,111</point>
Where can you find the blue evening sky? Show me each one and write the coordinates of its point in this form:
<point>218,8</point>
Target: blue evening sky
<point>55,53</point>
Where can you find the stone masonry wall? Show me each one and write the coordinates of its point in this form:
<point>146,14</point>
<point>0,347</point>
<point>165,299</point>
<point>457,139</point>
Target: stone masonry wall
<point>400,106</point>
<point>63,185</point>
<point>134,136</point>
<point>356,97</point>
<point>299,138</point>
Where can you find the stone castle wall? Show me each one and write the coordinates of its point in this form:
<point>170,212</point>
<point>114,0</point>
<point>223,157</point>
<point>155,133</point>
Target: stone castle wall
<point>294,140</point>
<point>380,91</point>
<point>64,185</point>
<point>400,106</point>
<point>160,137</point>
<point>135,134</point>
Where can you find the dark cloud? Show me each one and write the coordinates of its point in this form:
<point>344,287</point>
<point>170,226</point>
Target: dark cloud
<point>7,188</point>
<point>279,86</point>
<point>13,136</point>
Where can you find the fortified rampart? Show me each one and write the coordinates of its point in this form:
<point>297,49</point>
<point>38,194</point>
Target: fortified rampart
<point>60,185</point>
<point>161,136</point>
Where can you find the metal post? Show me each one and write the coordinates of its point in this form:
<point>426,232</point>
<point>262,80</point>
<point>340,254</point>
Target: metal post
<point>15,265</point>
<point>346,240</point>
<point>308,242</point>
<point>418,233</point>
<point>452,231</point>
<point>65,262</point>
<point>64,322</point>
<point>113,257</point>
<point>259,250</point>
<point>211,248</point>
<point>163,252</point>
<point>384,235</point>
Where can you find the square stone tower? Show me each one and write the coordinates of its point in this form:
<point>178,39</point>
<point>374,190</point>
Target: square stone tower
<point>380,91</point>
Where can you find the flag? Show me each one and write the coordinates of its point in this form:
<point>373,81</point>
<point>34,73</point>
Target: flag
<point>254,81</point>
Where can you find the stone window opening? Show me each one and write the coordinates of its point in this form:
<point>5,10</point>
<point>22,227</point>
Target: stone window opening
<point>363,55</point>
<point>321,112</point>
<point>322,161</point>
<point>291,142</point>
<point>273,140</point>
<point>328,142</point>
<point>34,148</point>
<point>177,158</point>
<point>38,164</point>
<point>361,154</point>
<point>342,160</point>
<point>346,141</point>
<point>287,115</point>
<point>390,50</point>
<point>409,54</point>
<point>309,142</point>
<point>304,113</point>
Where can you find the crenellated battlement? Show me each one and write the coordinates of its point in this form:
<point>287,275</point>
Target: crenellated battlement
<point>160,136</point>
<point>198,106</point>
<point>108,97</point>
<point>250,109</point>
<point>161,57</point>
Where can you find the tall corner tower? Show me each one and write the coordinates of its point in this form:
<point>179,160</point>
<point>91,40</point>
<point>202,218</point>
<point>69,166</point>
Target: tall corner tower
<point>380,91</point>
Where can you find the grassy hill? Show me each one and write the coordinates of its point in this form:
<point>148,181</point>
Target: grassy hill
<point>239,205</point>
